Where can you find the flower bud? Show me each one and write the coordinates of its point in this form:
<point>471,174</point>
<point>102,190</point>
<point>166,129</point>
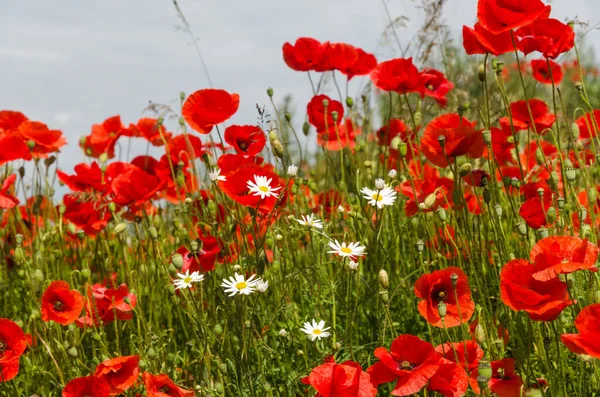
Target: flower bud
<point>539,156</point>
<point>270,92</point>
<point>120,228</point>
<point>481,73</point>
<point>487,137</point>
<point>379,184</point>
<point>551,215</point>
<point>277,148</point>
<point>292,170</point>
<point>487,195</point>
<point>442,309</point>
<point>441,213</point>
<point>420,246</point>
<point>112,207</point>
<point>349,102</point>
<point>262,286</point>
<point>498,210</point>
<point>153,233</point>
<point>383,295</point>
<point>542,233</point>
<point>383,279</point>
<point>305,128</point>
<point>522,229</point>
<point>19,239</point>
<point>177,260</point>
<point>288,116</point>
<point>465,169</point>
<point>479,334</point>
<point>392,173</point>
<point>80,234</point>
<point>72,351</point>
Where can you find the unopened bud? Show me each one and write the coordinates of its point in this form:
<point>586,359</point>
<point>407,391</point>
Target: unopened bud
<point>349,102</point>
<point>442,309</point>
<point>487,137</point>
<point>120,228</point>
<point>305,128</point>
<point>465,169</point>
<point>441,213</point>
<point>383,279</point>
<point>177,260</point>
<point>479,334</point>
<point>277,148</point>
<point>153,233</point>
<point>481,73</point>
<point>270,92</point>
<point>522,229</point>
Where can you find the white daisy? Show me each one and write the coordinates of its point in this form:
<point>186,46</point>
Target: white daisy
<point>310,221</point>
<point>379,184</point>
<point>215,175</point>
<point>186,279</point>
<point>379,198</point>
<point>315,331</point>
<point>262,187</point>
<point>262,285</point>
<point>239,285</point>
<point>352,265</point>
<point>292,170</point>
<point>392,174</point>
<point>352,249</point>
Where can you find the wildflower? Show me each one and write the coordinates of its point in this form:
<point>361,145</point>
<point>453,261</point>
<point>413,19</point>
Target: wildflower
<point>321,116</point>
<point>156,385</point>
<point>262,187</point>
<point>587,340</point>
<point>379,184</point>
<point>282,332</point>
<point>343,250</point>
<point>262,285</point>
<point>292,170</point>
<point>13,343</point>
<point>562,255</point>
<point>87,386</point>
<point>206,108</point>
<point>499,16</point>
<point>239,285</point>
<point>120,373</point>
<point>399,75</point>
<point>545,74</point>
<point>340,380</point>
<point>248,140</point>
<point>479,40</point>
<point>549,36</point>
<point>60,304</point>
<point>380,197</point>
<point>7,200</point>
<point>392,173</point>
<point>521,118</point>
<point>341,209</point>
<point>315,331</point>
<point>310,221</point>
<point>304,55</point>
<point>215,175</point>
<point>352,265</point>
<point>504,380</point>
<point>186,280</point>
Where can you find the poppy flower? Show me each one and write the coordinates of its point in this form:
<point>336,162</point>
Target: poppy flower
<point>545,74</point>
<point>122,301</point>
<point>504,381</point>
<point>90,216</point>
<point>188,147</point>
<point>340,56</point>
<point>427,193</point>
<point>340,380</point>
<point>549,36</point>
<point>7,200</point>
<point>586,156</point>
<point>152,130</point>
<point>327,201</point>
<point>587,341</point>
<point>86,386</point>
<point>536,205</point>
<point>479,40</point>
<point>206,108</point>
<point>10,120</point>
<point>363,64</point>
<point>587,128</point>
<point>477,178</point>
<point>499,16</point>
<point>162,386</point>
<point>12,345</point>
<point>411,362</point>
<point>202,261</point>
<point>88,177</point>
<point>304,54</point>
<point>321,116</point>
<point>399,75</point>
<point>520,116</point>
<point>541,300</point>
<point>394,128</point>
<point>436,85</point>
<point>438,287</point>
<point>450,380</point>
<point>468,353</point>
<point>42,139</point>
<point>338,138</point>
<point>103,138</point>
<point>562,255</point>
<point>248,140</point>
<point>460,138</point>
<point>60,304</point>
<point>120,373</point>
<point>135,187</point>
<point>13,147</point>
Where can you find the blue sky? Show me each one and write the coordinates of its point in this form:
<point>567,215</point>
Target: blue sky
<point>74,63</point>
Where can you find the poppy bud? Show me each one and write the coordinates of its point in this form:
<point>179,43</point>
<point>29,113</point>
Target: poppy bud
<point>499,66</point>
<point>582,213</point>
<point>383,295</point>
<point>277,148</point>
<point>72,351</point>
<point>305,128</point>
<point>454,279</point>
<point>153,233</point>
<point>442,309</point>
<point>551,214</point>
<point>487,196</point>
<point>479,334</point>
<point>586,231</point>
<point>80,234</point>
<point>485,370</point>
<point>506,181</point>
<point>349,102</point>
<point>522,229</point>
<point>383,279</point>
<point>120,228</point>
<point>465,169</point>
<point>487,137</point>
<point>85,272</point>
<point>19,239</point>
<point>592,195</point>
<point>270,92</point>
<point>420,246</point>
<point>542,233</point>
<point>561,202</point>
<point>575,131</point>
<point>112,207</point>
<point>539,156</point>
<point>418,118</point>
<point>30,144</point>
<point>441,213</point>
<point>442,140</point>
<point>334,115</point>
<point>514,182</point>
<point>288,116</point>
<point>481,72</point>
<point>177,260</point>
<point>151,352</point>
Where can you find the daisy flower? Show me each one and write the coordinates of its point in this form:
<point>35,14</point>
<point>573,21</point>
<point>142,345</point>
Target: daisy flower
<point>310,221</point>
<point>380,197</point>
<point>315,331</point>
<point>215,175</point>
<point>352,249</point>
<point>292,170</point>
<point>186,279</point>
<point>262,187</point>
<point>239,285</point>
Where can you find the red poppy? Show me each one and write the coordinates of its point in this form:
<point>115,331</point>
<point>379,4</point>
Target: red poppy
<point>586,156</point>
<point>321,116</point>
<point>340,56</point>
<point>427,193</point>
<point>460,138</point>
<point>202,261</point>
<point>363,65</point>
<point>340,380</point>
<point>206,108</point>
<point>410,361</point>
<point>466,353</point>
<point>103,138</point>
<point>436,288</point>
<point>587,126</point>
<point>248,140</point>
<point>135,187</point>
<point>105,302</point>
<point>551,37</point>
<point>399,75</point>
<point>152,130</point>
<point>338,138</point>
<point>122,302</point>
<point>450,380</point>
<point>120,373</point>
<point>394,128</point>
<point>60,304</point>
<point>587,341</point>
<point>12,346</point>
<point>162,386</point>
<point>327,201</point>
<point>541,300</point>
<point>42,139</point>
<point>86,386</point>
<point>479,40</point>
<point>7,200</point>
<point>499,16</point>
<point>520,116</point>
<point>90,216</point>
<point>10,120</point>
<point>504,381</point>
<point>436,85</point>
<point>13,147</point>
<point>88,177</point>
<point>562,255</point>
<point>185,147</point>
<point>545,74</point>
<point>304,54</point>
<point>536,205</point>
<point>477,178</point>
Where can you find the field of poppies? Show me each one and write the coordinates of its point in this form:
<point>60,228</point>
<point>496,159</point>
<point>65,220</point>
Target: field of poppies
<point>436,235</point>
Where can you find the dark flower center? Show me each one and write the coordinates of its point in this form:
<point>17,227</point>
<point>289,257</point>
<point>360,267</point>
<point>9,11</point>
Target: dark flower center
<point>405,365</point>
<point>164,389</point>
<point>2,347</point>
<point>441,296</point>
<point>242,145</point>
<point>501,373</point>
<point>58,306</point>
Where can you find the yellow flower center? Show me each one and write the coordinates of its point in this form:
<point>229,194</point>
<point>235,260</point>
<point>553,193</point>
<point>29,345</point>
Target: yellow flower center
<point>187,280</point>
<point>317,331</point>
<point>377,197</point>
<point>241,285</point>
<point>263,188</point>
<point>346,250</point>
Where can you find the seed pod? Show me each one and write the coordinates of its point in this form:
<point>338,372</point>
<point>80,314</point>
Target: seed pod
<point>120,228</point>
<point>177,260</point>
<point>153,233</point>
<point>487,137</point>
<point>542,233</point>
<point>539,156</point>
<point>72,351</point>
<point>383,279</point>
<point>277,148</point>
<point>383,295</point>
<point>442,309</point>
<point>465,169</point>
<point>522,229</point>
<point>485,370</point>
<point>288,116</point>
<point>349,102</point>
<point>551,214</point>
<point>487,196</point>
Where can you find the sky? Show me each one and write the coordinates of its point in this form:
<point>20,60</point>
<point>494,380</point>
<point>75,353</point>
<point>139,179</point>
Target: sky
<point>71,64</point>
